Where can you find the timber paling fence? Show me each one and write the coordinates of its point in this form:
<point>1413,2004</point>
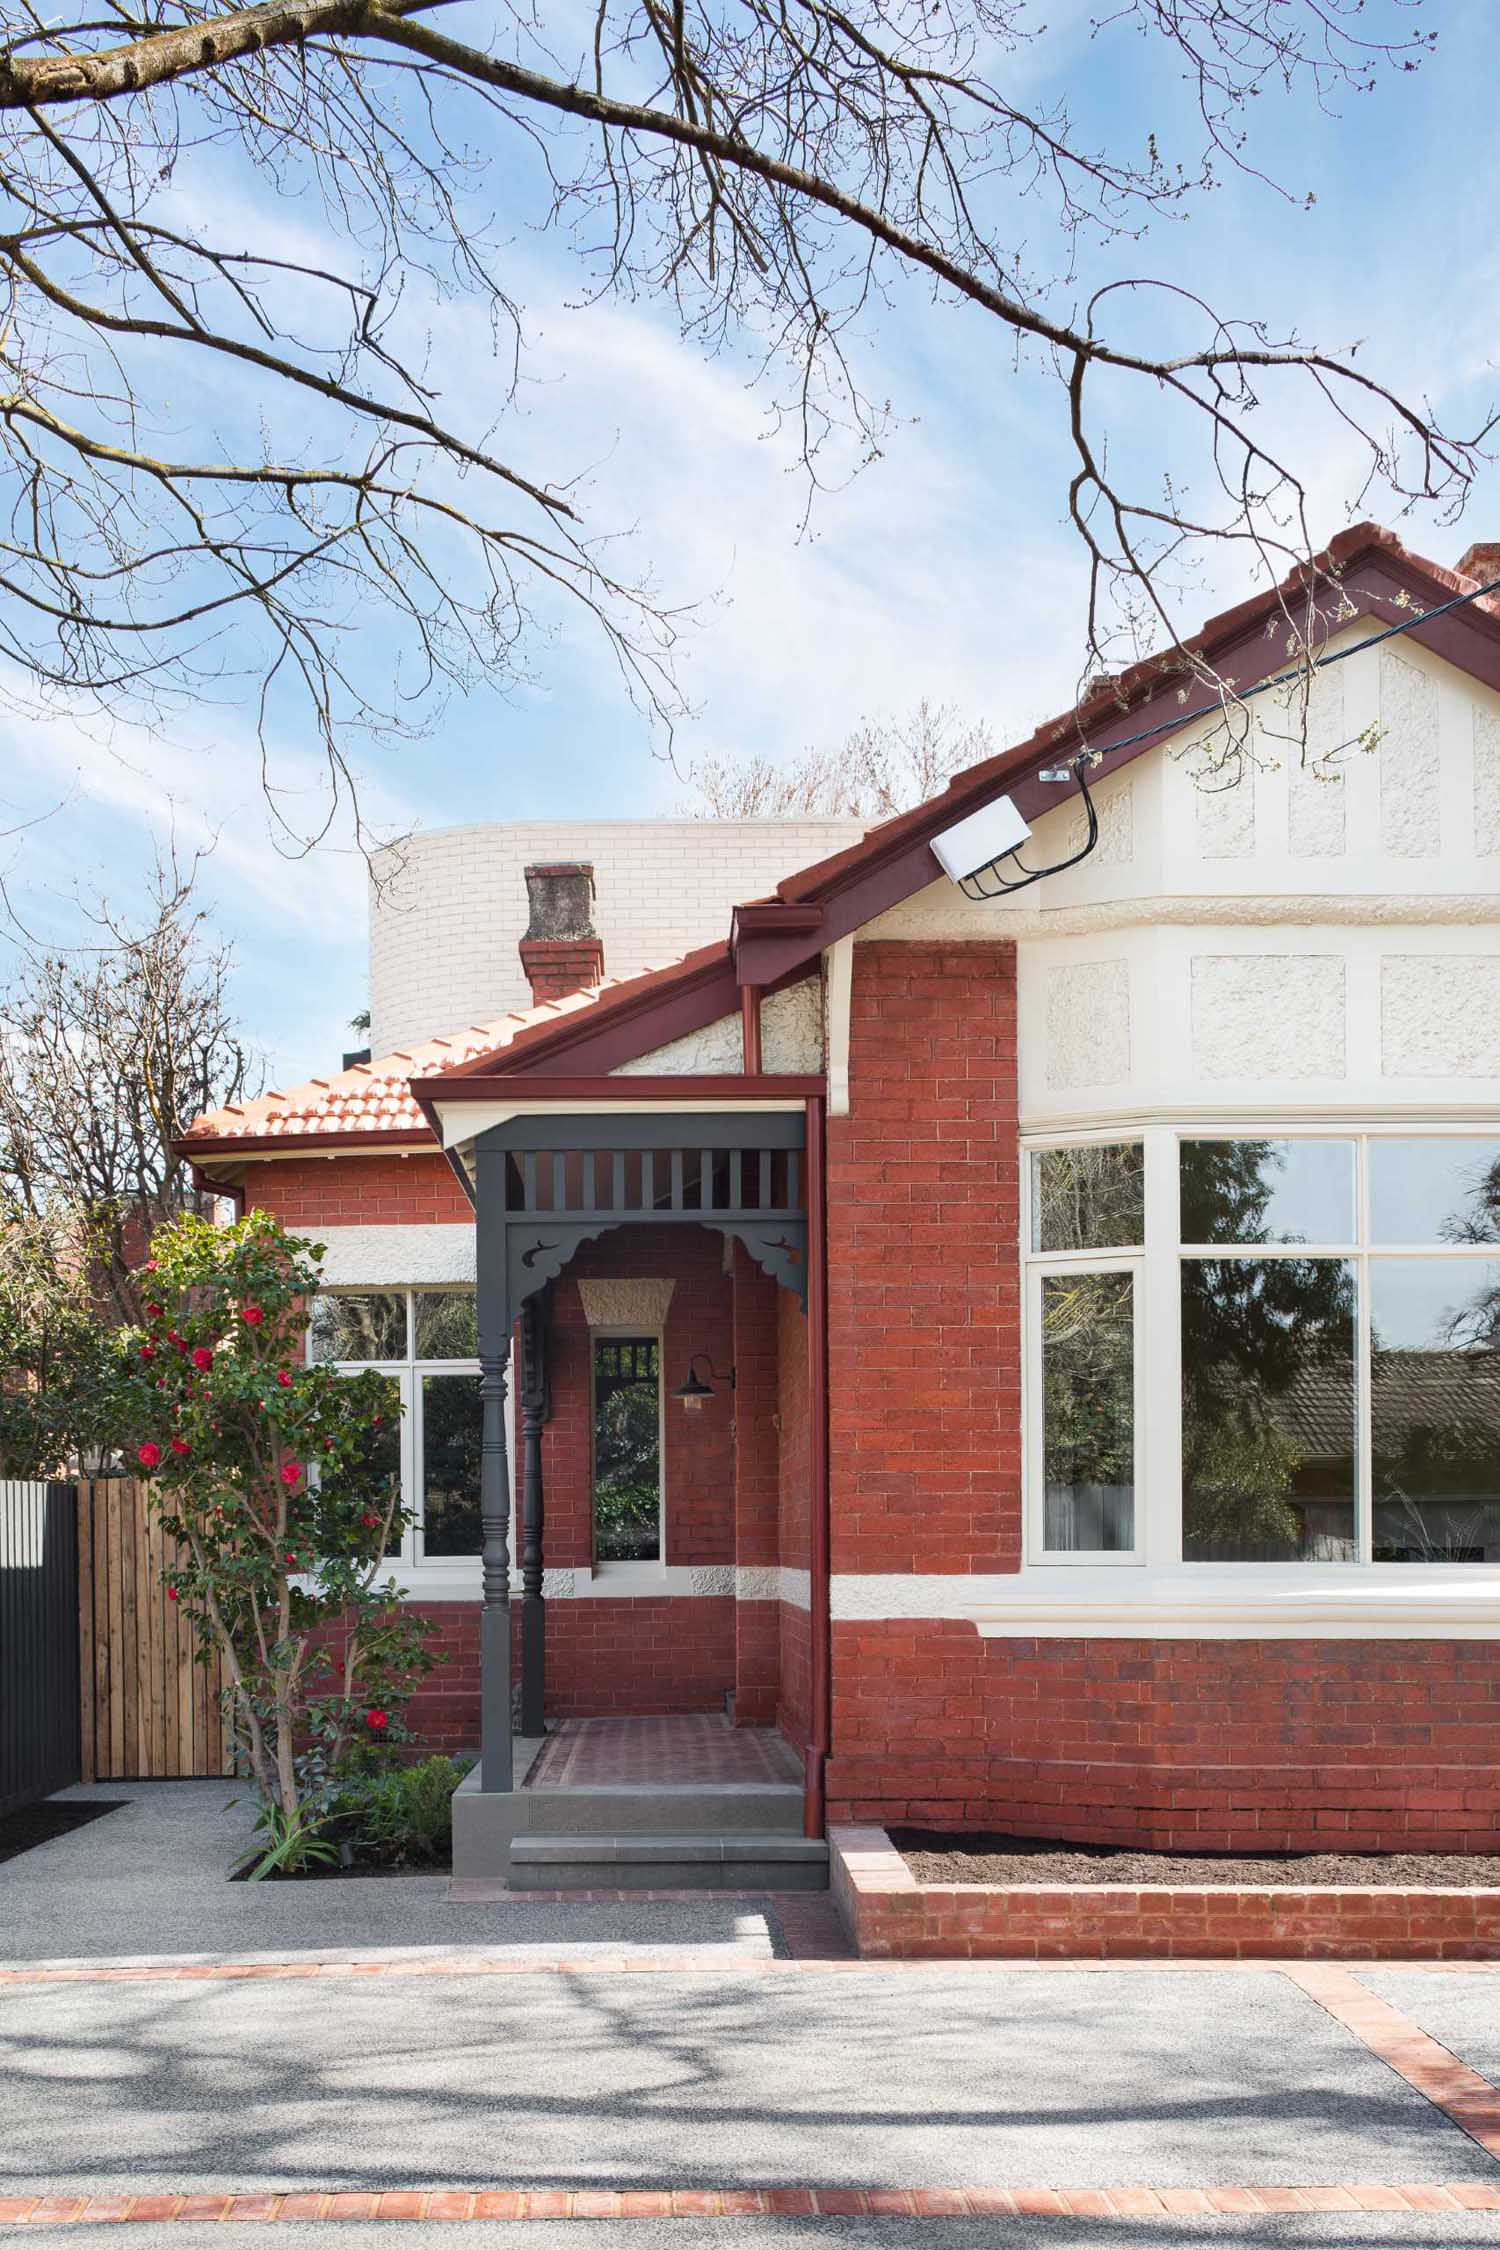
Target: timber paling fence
<point>39,1687</point>
<point>149,1710</point>
<point>98,1676</point>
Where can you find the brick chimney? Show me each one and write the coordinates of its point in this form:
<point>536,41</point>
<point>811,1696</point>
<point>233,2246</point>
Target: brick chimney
<point>1481,562</point>
<point>561,952</point>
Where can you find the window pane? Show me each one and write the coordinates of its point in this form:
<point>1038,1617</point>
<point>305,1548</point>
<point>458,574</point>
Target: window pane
<point>1268,1424</point>
<point>1435,1191</point>
<point>376,1469</point>
<point>1435,1408</point>
<point>367,1327</point>
<point>1088,1198</point>
<point>449,1477</point>
<point>1267,1191</point>
<point>1088,1413</point>
<point>446,1324</point>
<point>627,1449</point>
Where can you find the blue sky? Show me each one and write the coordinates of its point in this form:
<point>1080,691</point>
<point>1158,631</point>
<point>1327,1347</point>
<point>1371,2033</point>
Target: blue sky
<point>943,570</point>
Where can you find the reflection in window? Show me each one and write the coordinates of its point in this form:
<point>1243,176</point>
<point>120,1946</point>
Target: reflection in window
<point>450,1465</point>
<point>1091,1197</point>
<point>1435,1409</point>
<point>1088,1413</point>
<point>446,1327</point>
<point>627,1449</point>
<point>346,1326</point>
<point>1268,1409</point>
<point>376,1466</point>
<point>1267,1191</point>
<point>1434,1191</point>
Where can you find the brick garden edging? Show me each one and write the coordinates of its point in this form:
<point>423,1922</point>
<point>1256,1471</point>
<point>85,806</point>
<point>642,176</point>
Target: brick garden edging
<point>891,1916</point>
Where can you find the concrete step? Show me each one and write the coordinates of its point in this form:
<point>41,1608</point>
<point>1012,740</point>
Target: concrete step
<point>694,1809</point>
<point>742,1860</point>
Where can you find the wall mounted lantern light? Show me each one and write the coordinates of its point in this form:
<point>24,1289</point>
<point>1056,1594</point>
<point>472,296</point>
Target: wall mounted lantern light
<point>694,1391</point>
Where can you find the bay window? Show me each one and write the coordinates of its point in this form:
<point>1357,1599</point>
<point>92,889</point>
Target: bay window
<point>424,1341</point>
<point>1271,1348</point>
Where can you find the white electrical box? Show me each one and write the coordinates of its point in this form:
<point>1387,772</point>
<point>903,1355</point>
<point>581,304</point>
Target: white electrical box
<point>997,828</point>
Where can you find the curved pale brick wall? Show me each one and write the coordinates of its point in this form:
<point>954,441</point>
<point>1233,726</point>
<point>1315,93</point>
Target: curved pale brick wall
<point>447,909</point>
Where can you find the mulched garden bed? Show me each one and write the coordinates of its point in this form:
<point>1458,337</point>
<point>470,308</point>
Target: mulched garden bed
<point>937,1858</point>
<point>363,1868</point>
<point>41,1824</point>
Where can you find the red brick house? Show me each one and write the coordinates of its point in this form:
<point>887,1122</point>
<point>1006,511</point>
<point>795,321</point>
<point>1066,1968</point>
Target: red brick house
<point>1034,1354</point>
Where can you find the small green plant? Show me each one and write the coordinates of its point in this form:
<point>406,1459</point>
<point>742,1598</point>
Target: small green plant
<point>292,1844</point>
<point>400,1814</point>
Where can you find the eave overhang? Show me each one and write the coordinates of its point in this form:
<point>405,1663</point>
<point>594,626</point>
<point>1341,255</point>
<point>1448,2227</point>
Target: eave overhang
<point>460,1109</point>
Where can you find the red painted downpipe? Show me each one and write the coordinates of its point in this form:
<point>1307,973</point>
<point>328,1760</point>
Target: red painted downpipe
<point>750,1028</point>
<point>820,1626</point>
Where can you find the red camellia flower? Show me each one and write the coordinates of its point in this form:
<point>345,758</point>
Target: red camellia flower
<point>155,1312</point>
<point>148,1455</point>
<point>180,1445</point>
<point>203,1357</point>
<point>284,1377</point>
<point>370,1522</point>
<point>171,1593</point>
<point>251,1315</point>
<point>148,1351</point>
<point>290,1561</point>
<point>291,1472</point>
<point>377,1720</point>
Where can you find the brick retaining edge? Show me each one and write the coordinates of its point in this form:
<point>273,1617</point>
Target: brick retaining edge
<point>891,1916</point>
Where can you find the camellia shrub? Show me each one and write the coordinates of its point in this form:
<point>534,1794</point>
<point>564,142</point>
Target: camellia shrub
<point>273,1477</point>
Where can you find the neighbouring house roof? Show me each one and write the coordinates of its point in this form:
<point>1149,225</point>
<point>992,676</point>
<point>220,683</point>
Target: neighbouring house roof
<point>772,940</point>
<point>1444,1391</point>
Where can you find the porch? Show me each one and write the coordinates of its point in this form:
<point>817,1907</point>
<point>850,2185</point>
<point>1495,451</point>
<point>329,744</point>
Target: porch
<point>688,1802</point>
<point>650,1275</point>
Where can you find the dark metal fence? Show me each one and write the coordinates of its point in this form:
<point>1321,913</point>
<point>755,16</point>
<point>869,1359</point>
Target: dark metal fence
<point>39,1720</point>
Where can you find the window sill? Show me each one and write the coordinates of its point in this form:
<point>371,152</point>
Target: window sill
<point>1261,1601</point>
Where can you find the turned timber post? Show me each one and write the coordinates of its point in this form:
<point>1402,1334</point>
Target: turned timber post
<point>535,1405</point>
<point>496,1762</point>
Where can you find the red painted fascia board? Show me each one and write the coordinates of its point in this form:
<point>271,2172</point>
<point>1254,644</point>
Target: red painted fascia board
<point>599,1039</point>
<point>686,995</point>
<point>770,935</point>
<point>262,1144</point>
<point>684,1091</point>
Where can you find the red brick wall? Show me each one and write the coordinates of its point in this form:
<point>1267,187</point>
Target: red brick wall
<point>1195,1745</point>
<point>923,1329</point>
<point>794,1661</point>
<point>756,1486</point>
<point>794,1673</point>
<point>643,1656</point>
<point>308,1192</point>
<point>891,1916</point>
<point>700,1446</point>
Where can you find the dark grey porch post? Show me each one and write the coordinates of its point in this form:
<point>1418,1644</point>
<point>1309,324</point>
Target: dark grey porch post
<point>534,1408</point>
<point>493,1307</point>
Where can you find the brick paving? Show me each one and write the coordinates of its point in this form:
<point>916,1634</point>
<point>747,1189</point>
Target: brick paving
<point>1112,2203</point>
<point>1450,2085</point>
<point>697,1747</point>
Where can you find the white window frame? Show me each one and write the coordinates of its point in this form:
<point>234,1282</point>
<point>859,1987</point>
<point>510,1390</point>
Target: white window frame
<point>621,1571</point>
<point>1158,1519</point>
<point>1042,1267</point>
<point>440,1576</point>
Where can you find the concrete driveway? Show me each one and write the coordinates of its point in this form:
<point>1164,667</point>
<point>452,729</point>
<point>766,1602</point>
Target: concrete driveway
<point>389,2042</point>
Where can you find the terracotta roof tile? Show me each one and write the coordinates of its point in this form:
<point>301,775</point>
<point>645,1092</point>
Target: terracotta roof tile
<point>375,1098</point>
